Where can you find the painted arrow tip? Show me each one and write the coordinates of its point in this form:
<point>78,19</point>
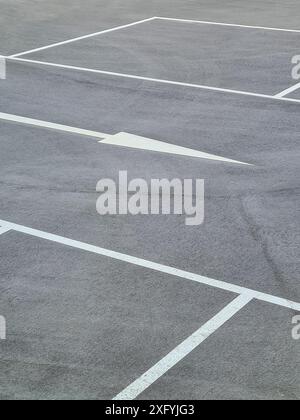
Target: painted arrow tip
<point>142,143</point>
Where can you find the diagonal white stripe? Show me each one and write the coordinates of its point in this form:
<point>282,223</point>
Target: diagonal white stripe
<point>154,266</point>
<point>288,91</point>
<point>80,38</point>
<point>185,348</point>
<point>154,80</point>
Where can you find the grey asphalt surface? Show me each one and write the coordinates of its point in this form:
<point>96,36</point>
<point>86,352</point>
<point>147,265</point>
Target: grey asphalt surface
<point>233,58</point>
<point>84,326</point>
<point>295,95</point>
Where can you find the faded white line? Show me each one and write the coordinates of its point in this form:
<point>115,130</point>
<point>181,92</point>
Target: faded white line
<point>52,126</point>
<point>80,38</point>
<point>266,28</point>
<point>153,266</point>
<point>288,91</point>
<point>149,79</point>
<point>184,349</point>
<point>142,143</point>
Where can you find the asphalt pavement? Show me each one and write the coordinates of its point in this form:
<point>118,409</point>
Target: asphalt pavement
<point>82,324</point>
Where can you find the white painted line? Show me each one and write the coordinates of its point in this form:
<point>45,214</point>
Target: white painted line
<point>57,44</point>
<point>4,229</point>
<point>288,91</point>
<point>149,79</point>
<point>265,28</point>
<point>2,67</point>
<point>183,350</point>
<point>142,143</point>
<point>229,287</point>
<point>80,38</point>
<point>52,126</point>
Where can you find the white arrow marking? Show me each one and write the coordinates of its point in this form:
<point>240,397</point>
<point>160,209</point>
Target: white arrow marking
<point>120,139</point>
<point>143,143</point>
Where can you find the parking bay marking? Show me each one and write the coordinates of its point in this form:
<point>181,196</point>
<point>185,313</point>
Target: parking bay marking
<point>240,290</point>
<point>288,91</point>
<point>155,80</point>
<point>183,349</point>
<point>80,38</point>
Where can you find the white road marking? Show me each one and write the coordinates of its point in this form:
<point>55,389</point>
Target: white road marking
<point>121,139</point>
<point>153,266</point>
<point>149,79</point>
<point>288,91</point>
<point>2,67</point>
<point>4,229</point>
<point>183,349</point>
<point>142,143</point>
<point>52,126</point>
<point>80,38</point>
<point>228,24</point>
<point>57,44</point>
